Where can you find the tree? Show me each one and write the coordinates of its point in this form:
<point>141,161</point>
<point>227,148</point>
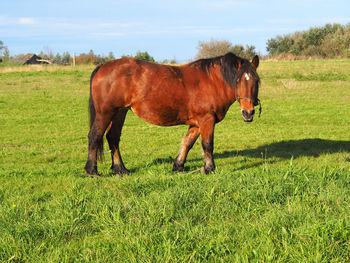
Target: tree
<point>48,54</point>
<point>144,56</point>
<point>6,56</point>
<point>42,55</point>
<point>4,52</point>
<point>1,47</point>
<point>58,58</point>
<point>110,56</point>
<point>272,46</point>
<point>249,52</point>
<point>65,58</point>
<point>238,50</point>
<point>331,40</point>
<point>167,61</point>
<point>213,48</point>
<point>89,58</point>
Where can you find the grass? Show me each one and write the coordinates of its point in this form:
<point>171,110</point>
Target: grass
<point>280,193</point>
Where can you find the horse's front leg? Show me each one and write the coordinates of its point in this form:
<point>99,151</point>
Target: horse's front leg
<point>186,145</point>
<point>206,128</point>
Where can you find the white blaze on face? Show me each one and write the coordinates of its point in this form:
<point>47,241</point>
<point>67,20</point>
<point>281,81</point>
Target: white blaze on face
<point>247,76</point>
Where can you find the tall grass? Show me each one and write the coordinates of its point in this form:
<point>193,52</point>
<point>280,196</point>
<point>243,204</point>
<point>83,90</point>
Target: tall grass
<point>280,193</point>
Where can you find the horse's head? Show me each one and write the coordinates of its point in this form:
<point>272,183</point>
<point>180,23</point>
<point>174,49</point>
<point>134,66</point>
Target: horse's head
<point>247,88</point>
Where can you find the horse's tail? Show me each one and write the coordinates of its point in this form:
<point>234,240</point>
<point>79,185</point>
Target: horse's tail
<point>92,113</point>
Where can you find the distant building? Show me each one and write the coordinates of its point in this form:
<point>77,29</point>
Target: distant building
<point>30,59</point>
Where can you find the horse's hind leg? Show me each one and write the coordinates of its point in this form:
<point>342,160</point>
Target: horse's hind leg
<point>186,145</point>
<point>97,130</point>
<point>206,126</point>
<point>113,138</point>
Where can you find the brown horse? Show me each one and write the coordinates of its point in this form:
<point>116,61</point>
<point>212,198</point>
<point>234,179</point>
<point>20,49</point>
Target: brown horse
<point>196,94</point>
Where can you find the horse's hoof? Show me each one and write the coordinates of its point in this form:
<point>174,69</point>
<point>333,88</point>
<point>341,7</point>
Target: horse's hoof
<point>120,171</point>
<point>207,170</point>
<point>177,168</point>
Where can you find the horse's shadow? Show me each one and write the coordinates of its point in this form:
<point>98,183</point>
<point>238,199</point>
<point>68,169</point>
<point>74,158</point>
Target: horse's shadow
<point>292,148</point>
<point>277,151</point>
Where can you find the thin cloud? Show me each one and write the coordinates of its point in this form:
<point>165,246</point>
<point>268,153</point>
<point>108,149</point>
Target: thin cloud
<point>3,20</point>
<point>335,20</point>
<point>26,21</point>
<point>309,20</point>
<point>117,25</point>
<point>224,4</point>
<point>7,20</point>
<point>110,34</point>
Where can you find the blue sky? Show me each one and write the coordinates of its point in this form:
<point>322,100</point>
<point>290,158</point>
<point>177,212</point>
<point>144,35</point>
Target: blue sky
<point>166,29</point>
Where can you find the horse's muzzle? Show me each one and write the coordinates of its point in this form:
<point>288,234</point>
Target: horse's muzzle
<point>248,115</point>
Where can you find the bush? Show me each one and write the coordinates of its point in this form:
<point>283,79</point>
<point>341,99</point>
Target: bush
<point>87,59</point>
<point>144,56</point>
<point>327,42</point>
<point>141,55</point>
<point>214,48</point>
<point>90,58</point>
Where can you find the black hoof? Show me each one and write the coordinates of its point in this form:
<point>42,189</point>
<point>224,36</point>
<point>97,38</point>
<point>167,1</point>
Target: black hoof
<point>120,170</point>
<point>207,170</point>
<point>178,167</point>
<point>90,168</point>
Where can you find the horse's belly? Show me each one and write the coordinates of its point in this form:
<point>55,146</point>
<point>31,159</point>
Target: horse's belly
<point>159,115</point>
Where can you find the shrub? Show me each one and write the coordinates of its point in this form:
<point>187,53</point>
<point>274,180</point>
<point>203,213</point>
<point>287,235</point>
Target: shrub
<point>214,48</point>
<point>144,56</point>
<point>331,40</point>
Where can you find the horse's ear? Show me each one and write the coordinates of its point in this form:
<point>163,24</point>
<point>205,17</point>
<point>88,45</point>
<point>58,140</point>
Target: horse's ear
<point>255,61</point>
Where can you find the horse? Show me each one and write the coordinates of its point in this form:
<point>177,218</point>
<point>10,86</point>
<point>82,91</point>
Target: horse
<point>197,94</point>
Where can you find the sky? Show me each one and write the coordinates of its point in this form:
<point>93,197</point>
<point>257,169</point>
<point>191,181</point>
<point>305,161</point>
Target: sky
<point>165,29</point>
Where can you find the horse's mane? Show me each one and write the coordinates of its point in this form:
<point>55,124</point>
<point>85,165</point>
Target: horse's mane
<point>229,67</point>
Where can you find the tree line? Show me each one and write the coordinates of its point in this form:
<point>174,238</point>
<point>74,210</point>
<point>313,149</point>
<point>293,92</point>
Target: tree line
<point>329,41</point>
<point>91,58</point>
<point>82,59</point>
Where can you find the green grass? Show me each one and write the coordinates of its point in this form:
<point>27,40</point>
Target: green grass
<point>281,192</point>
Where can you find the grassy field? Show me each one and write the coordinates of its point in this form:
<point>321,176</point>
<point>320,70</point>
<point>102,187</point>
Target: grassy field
<point>281,192</point>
